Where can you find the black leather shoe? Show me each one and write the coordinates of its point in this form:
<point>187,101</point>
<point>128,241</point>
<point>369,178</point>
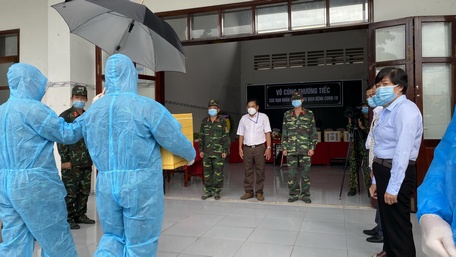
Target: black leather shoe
<point>292,199</point>
<point>85,220</point>
<point>206,195</point>
<point>352,192</point>
<point>74,225</point>
<point>375,239</point>
<point>370,232</point>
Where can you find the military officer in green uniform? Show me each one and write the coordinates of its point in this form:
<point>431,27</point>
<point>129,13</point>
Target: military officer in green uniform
<point>76,165</point>
<point>299,139</point>
<point>214,146</point>
<point>358,153</point>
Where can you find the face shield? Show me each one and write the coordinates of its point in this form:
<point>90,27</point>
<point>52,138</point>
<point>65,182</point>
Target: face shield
<point>48,85</point>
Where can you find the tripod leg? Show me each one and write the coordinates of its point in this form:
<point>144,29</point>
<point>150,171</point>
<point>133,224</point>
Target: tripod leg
<point>357,175</point>
<point>349,149</point>
<point>361,162</point>
<point>342,185</point>
<point>350,143</point>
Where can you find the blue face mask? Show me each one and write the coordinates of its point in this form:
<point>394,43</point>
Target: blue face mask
<point>384,95</point>
<point>296,103</point>
<point>376,101</point>
<point>79,104</point>
<point>371,103</point>
<point>212,112</point>
<point>365,109</point>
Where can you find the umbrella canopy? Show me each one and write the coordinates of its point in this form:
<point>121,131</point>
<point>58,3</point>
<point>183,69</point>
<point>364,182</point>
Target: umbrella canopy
<point>122,26</point>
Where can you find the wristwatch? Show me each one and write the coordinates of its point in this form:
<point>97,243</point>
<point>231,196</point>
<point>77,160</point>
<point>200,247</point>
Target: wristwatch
<point>269,147</point>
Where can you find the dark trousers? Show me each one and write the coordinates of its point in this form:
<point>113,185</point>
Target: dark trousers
<point>378,228</point>
<point>395,219</point>
<point>77,182</point>
<point>254,161</point>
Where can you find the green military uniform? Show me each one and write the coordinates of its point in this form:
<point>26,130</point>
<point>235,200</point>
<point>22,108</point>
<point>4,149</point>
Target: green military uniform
<point>214,140</point>
<point>358,157</point>
<point>299,135</point>
<point>77,180</point>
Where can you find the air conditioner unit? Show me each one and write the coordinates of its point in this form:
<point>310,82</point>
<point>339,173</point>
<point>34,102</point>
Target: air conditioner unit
<point>332,136</point>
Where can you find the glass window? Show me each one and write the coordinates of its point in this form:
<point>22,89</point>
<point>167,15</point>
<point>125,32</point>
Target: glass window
<point>179,24</point>
<point>8,45</point>
<point>3,71</point>
<point>436,39</point>
<point>307,14</point>
<point>378,69</point>
<point>272,18</point>
<point>236,22</point>
<point>9,54</point>
<point>436,99</point>
<point>4,95</point>
<point>347,11</point>
<point>204,26</point>
<point>143,70</point>
<point>390,43</point>
<point>146,87</point>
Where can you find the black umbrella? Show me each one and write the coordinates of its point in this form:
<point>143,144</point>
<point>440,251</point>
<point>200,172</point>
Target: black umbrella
<point>122,26</point>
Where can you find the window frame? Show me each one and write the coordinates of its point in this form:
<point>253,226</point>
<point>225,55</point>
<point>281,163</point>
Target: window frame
<point>253,5</point>
<point>11,58</point>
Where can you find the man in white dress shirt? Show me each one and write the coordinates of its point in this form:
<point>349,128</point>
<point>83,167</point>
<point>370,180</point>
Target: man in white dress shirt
<point>254,130</point>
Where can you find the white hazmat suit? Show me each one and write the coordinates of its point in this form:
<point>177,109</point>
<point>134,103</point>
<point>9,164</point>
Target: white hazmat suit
<point>437,199</point>
<point>123,132</point>
<point>32,196</point>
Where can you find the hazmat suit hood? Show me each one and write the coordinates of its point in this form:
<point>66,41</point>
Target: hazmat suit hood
<point>26,81</point>
<point>121,75</point>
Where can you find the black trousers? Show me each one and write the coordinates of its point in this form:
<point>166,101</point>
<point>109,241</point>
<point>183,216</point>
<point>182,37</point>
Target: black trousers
<point>395,219</point>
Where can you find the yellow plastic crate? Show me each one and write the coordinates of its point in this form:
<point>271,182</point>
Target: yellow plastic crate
<point>170,161</point>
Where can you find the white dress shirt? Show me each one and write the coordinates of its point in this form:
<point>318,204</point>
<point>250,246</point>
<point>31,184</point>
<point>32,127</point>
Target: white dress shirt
<point>397,136</point>
<point>376,113</point>
<point>253,129</point>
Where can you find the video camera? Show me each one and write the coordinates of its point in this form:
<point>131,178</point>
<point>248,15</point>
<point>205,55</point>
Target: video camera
<point>354,113</point>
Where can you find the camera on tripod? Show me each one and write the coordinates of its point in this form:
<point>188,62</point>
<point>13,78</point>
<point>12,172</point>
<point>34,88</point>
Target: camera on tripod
<point>354,113</point>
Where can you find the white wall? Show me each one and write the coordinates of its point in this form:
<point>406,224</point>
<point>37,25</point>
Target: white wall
<point>394,9</point>
<point>162,6</point>
<point>31,18</point>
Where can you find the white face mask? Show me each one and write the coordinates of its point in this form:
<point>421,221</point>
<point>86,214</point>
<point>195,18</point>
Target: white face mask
<point>251,111</point>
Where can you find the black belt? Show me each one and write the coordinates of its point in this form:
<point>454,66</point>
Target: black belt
<point>389,162</point>
<point>253,146</point>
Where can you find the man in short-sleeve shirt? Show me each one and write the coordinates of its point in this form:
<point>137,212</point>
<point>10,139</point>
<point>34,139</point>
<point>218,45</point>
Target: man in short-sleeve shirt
<point>254,130</point>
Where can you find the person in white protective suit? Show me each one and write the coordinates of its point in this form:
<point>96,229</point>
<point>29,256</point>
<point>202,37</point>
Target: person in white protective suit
<point>32,196</point>
<point>124,132</point>
<point>437,199</point>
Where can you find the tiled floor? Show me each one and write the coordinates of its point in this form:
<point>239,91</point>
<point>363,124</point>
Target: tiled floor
<point>231,227</point>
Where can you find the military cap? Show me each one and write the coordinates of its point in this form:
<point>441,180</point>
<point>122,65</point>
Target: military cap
<point>79,90</point>
<point>212,103</point>
<point>296,96</point>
